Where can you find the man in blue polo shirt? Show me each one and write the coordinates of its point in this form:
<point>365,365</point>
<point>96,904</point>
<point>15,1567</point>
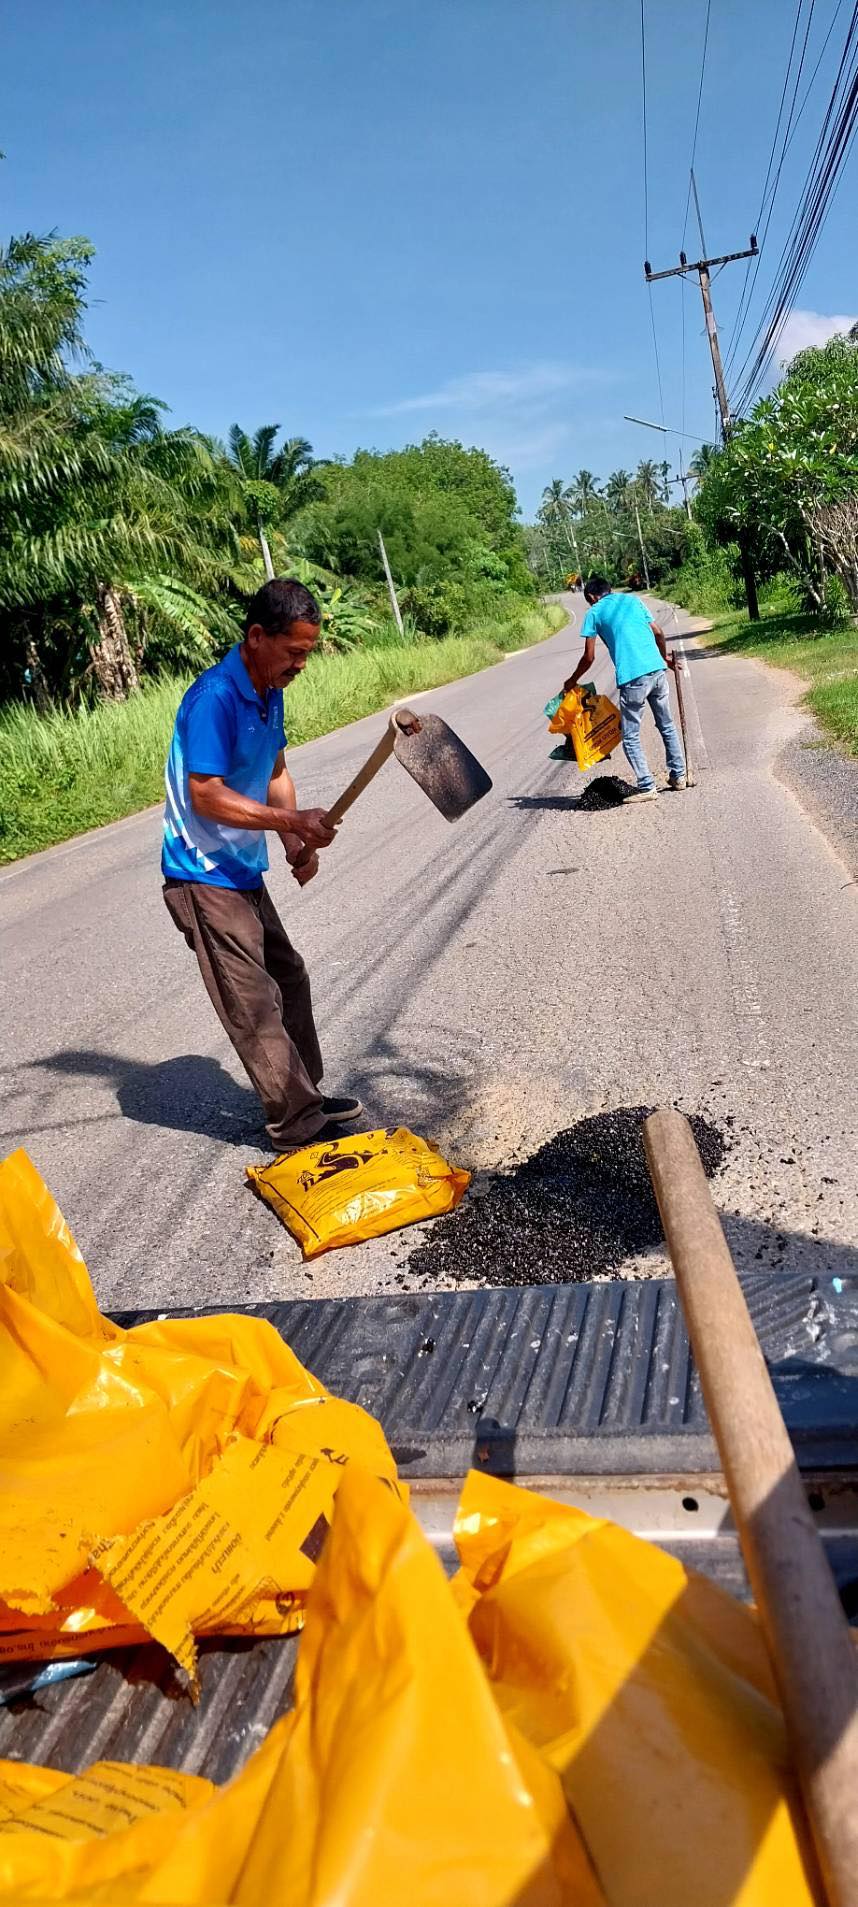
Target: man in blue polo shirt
<point>637,649</point>
<point>227,783</point>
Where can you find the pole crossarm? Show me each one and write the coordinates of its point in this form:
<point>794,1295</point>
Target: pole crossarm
<point>701,264</point>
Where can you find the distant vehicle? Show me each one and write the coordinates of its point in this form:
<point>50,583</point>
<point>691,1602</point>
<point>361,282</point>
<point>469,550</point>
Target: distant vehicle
<point>573,580</point>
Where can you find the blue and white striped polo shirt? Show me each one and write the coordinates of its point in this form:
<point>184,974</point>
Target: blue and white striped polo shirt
<point>222,728</point>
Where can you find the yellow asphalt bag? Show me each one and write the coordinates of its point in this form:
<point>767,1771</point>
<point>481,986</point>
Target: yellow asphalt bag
<point>174,1480</point>
<point>592,721</point>
<point>359,1187</point>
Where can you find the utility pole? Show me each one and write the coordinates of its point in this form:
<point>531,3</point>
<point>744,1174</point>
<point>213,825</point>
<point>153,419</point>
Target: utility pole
<point>683,478</point>
<point>394,601</point>
<point>703,267</point>
<point>641,542</point>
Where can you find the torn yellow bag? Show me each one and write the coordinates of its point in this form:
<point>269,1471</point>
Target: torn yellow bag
<point>395,1778</point>
<point>592,721</point>
<point>612,1740</point>
<point>356,1188</point>
<point>172,1480</point>
<point>648,1690</point>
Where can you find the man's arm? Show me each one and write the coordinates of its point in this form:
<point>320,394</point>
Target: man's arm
<point>214,800</point>
<point>662,646</point>
<point>586,662</point>
<point>281,794</point>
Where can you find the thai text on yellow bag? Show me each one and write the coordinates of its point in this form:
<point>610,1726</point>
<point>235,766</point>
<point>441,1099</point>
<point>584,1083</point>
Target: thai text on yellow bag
<point>172,1480</point>
<point>592,721</point>
<point>591,1726</point>
<point>356,1188</point>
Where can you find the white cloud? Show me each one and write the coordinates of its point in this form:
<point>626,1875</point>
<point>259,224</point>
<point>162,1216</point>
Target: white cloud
<point>531,385</point>
<point>806,328</point>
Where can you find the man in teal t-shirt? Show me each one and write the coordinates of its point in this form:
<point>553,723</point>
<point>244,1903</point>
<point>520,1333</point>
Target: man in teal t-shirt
<point>637,649</point>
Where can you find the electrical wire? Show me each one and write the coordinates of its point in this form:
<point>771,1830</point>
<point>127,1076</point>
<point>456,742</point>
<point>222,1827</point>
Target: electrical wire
<point>766,202</point>
<point>697,117</point>
<point>645,143</point>
<point>823,177</point>
<point>646,208</point>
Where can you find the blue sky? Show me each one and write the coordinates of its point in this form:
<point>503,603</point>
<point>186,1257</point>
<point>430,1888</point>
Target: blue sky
<point>368,219</point>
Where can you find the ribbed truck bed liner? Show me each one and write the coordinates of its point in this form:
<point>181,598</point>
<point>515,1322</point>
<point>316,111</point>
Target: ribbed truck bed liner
<point>586,1391</point>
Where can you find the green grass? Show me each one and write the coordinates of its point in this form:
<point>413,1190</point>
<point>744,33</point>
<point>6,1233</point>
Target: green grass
<point>63,773</point>
<point>826,659</point>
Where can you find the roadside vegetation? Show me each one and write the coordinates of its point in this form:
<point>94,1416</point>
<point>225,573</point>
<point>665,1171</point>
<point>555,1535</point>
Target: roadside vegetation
<point>131,548</point>
<point>788,482</point>
<point>626,529</point>
<point>67,770</point>
<point>789,638</point>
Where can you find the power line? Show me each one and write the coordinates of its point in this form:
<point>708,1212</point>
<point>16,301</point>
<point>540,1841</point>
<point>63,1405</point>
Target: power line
<point>823,177</point>
<point>697,118</point>
<point>657,359</point>
<point>821,182</point>
<point>646,206</point>
<point>753,266</point>
<point>645,146</point>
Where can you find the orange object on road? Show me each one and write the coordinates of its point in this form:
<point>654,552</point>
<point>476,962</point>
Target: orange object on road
<point>592,722</point>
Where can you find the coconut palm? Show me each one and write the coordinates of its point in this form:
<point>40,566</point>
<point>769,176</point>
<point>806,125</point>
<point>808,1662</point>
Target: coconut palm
<point>701,463</point>
<point>97,499</point>
<point>648,483</point>
<point>555,511</point>
<point>617,489</point>
<point>275,483</point>
<point>584,490</point>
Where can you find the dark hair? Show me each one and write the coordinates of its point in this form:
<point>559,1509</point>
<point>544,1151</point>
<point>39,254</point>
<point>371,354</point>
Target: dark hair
<point>280,603</point>
<point>596,586</point>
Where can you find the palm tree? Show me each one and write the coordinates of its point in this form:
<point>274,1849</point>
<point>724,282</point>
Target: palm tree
<point>617,489</point>
<point>584,490</point>
<point>555,511</point>
<point>648,482</point>
<point>275,484</point>
<point>98,501</point>
<point>701,463</point>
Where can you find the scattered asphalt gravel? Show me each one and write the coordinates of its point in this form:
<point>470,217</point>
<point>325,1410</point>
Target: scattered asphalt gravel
<point>579,1208</point>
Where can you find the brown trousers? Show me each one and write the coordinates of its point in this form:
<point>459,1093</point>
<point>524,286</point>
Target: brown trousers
<point>260,991</point>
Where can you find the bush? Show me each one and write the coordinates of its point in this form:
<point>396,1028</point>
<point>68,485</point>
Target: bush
<point>710,580</point>
<point>837,610</point>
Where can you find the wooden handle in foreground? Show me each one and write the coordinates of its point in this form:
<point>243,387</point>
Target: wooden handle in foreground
<point>809,1643</point>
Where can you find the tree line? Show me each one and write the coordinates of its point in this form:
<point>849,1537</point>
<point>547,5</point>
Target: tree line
<point>129,546</point>
<point>627,528</point>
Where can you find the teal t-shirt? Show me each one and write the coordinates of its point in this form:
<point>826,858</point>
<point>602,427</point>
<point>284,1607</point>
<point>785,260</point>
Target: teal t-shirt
<point>625,627</point>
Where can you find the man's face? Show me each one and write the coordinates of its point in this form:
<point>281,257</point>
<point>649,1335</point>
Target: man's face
<point>278,660</point>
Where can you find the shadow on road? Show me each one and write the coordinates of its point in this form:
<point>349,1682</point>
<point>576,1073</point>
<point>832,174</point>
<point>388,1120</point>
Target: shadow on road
<point>191,1093</point>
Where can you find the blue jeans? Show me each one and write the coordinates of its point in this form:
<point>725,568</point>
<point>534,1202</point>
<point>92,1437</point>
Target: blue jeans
<point>653,689</point>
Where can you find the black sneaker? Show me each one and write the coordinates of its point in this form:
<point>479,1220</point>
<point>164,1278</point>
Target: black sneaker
<point>341,1111</point>
<point>324,1137</point>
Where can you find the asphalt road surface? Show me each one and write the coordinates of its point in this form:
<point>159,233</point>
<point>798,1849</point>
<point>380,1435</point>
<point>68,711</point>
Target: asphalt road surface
<point>486,984</point>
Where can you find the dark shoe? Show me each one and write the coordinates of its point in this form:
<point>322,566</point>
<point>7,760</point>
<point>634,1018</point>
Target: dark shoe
<point>324,1137</point>
<point>342,1111</point>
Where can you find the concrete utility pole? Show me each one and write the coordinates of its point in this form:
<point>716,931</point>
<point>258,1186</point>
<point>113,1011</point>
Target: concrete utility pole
<point>641,542</point>
<point>394,600</point>
<point>703,266</point>
<point>683,477</point>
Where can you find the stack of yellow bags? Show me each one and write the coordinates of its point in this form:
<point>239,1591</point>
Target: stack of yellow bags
<point>574,1720</point>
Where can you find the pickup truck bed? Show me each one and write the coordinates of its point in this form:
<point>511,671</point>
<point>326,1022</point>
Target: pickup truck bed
<point>586,1391</point>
